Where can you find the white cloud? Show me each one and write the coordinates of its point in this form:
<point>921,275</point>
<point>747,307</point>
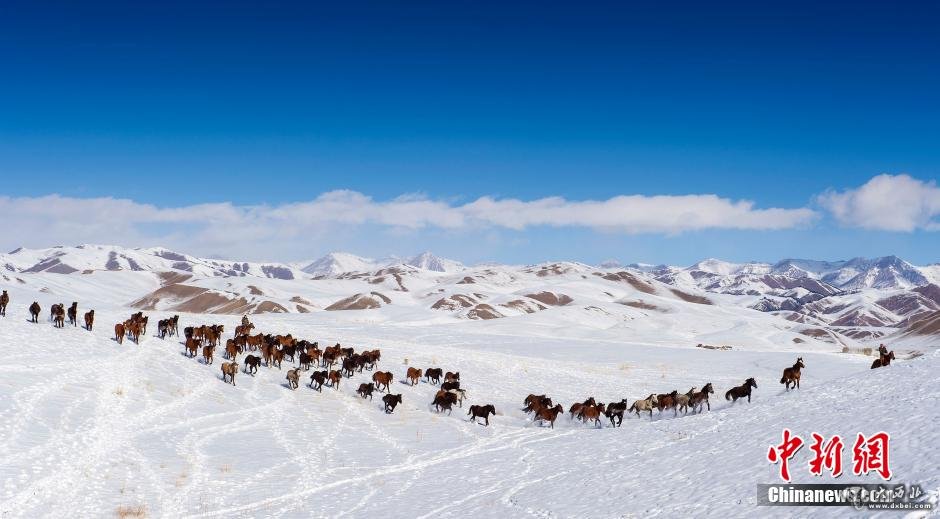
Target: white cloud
<point>248,230</point>
<point>887,203</point>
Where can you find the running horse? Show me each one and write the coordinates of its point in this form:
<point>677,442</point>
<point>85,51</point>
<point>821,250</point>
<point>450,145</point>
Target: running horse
<point>791,375</point>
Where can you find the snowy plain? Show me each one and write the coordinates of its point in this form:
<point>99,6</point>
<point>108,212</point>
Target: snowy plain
<point>90,428</point>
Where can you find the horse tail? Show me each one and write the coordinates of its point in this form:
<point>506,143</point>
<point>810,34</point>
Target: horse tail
<point>728,395</point>
<point>783,379</point>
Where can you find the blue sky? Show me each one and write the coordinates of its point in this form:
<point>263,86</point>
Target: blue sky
<point>271,103</point>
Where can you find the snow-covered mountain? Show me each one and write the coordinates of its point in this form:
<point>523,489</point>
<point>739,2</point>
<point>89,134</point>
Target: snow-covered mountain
<point>336,263</point>
<point>429,261</point>
<point>859,298</point>
<point>87,258</point>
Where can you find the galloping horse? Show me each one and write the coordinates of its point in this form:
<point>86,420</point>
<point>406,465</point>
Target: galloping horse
<point>741,391</point>
<point>791,375</point>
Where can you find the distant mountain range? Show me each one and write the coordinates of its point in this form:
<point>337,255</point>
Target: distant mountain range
<point>861,298</point>
<point>88,257</point>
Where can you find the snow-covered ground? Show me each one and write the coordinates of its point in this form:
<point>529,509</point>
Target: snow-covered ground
<point>89,428</point>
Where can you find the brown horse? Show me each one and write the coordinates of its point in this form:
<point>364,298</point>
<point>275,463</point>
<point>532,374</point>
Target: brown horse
<point>549,414</point>
<point>192,346</point>
<point>317,379</point>
<point>314,353</point>
<point>593,412</point>
<point>244,329</point>
<point>452,377</point>
<point>207,352</point>
<point>231,349</point>
<point>791,375</point>
<point>255,341</point>
<point>277,355</point>
<point>229,369</point>
<point>576,408</point>
<point>884,360</point>
<point>741,391</point>
<point>481,411</point>
<point>668,401</point>
<point>58,316</point>
<point>700,398</point>
<point>335,377</point>
<point>119,332</point>
<point>533,403</point>
<point>89,320</point>
<point>4,301</point>
<point>34,310</point>
<point>413,374</point>
<point>73,313</point>
<point>444,400</point>
<point>382,379</point>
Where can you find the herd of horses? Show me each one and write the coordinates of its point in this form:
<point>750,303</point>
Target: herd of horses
<point>338,362</point>
<point>57,313</point>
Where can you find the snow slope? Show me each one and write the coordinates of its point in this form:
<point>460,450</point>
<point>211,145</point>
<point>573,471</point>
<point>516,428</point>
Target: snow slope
<point>88,427</point>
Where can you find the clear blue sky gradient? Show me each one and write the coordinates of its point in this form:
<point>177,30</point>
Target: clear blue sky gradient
<point>272,102</point>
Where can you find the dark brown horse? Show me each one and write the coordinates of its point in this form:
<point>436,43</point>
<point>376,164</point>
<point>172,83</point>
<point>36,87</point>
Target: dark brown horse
<point>58,316</point>
<point>89,320</point>
<point>668,401</point>
<point>317,379</point>
<point>73,313</point>
<point>698,399</point>
<point>535,402</point>
<point>390,402</point>
<point>251,364</point>
<point>482,411</point>
<point>884,360</point>
<point>444,400</point>
<point>741,391</point>
<point>34,310</point>
<point>4,301</point>
<point>615,411</point>
<point>791,375</point>
<point>365,390</point>
<point>433,375</point>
